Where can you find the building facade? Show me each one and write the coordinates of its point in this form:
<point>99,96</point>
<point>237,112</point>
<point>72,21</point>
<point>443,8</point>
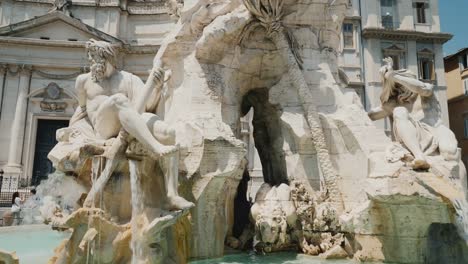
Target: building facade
<point>456,74</point>
<point>42,52</point>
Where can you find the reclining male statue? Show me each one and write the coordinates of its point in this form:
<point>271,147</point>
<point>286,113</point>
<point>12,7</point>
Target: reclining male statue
<point>112,101</point>
<point>416,115</point>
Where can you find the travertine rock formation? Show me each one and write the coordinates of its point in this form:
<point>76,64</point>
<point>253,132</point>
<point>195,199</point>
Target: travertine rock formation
<point>8,258</point>
<point>330,186</point>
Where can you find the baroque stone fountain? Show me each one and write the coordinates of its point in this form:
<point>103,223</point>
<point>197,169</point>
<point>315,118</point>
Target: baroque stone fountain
<point>162,160</point>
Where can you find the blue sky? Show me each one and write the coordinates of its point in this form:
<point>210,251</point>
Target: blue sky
<point>453,19</point>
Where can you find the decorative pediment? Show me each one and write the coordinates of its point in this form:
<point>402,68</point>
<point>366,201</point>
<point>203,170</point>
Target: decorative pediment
<point>426,51</point>
<point>52,98</point>
<point>394,48</point>
<point>55,26</point>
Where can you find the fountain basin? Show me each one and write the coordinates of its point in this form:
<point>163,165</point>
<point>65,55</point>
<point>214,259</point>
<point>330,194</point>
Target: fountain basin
<point>32,243</point>
<point>273,258</point>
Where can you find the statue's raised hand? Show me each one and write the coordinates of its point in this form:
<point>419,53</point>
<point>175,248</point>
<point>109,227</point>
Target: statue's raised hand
<point>158,74</point>
<point>387,71</point>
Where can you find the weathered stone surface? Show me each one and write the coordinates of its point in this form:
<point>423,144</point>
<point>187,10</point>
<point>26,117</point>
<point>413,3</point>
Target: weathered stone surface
<point>225,58</point>
<point>8,258</point>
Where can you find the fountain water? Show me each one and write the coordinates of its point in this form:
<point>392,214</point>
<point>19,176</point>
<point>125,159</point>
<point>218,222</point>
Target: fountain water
<point>138,218</point>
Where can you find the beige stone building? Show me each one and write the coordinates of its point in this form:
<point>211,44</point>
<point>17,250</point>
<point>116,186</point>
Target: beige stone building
<point>456,74</point>
<point>42,52</point>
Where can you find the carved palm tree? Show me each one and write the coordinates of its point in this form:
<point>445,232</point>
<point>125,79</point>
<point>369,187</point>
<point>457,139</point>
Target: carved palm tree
<point>268,14</point>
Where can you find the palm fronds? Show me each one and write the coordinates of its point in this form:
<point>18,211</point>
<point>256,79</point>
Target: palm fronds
<point>269,15</point>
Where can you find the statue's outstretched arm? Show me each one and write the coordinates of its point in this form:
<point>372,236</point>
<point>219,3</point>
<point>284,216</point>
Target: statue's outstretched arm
<point>410,83</point>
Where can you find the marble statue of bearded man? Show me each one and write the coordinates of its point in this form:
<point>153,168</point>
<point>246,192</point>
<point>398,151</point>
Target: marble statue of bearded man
<point>112,101</point>
<point>416,116</point>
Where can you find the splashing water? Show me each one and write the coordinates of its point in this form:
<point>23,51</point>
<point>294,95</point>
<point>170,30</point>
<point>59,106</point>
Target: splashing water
<point>137,213</point>
<point>56,193</point>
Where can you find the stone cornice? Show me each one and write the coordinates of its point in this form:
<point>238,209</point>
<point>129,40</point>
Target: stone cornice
<point>125,48</point>
<point>352,18</point>
<point>144,49</point>
<point>38,1</point>
<point>147,8</point>
<point>105,3</point>
<point>61,76</point>
<point>42,42</point>
<point>381,33</point>
<point>133,7</point>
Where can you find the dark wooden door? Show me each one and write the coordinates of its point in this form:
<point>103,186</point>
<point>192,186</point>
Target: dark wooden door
<point>45,141</point>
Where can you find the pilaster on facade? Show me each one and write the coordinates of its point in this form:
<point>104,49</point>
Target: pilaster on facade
<point>13,166</point>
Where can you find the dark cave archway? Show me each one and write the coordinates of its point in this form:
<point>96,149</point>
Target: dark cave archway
<point>267,135</point>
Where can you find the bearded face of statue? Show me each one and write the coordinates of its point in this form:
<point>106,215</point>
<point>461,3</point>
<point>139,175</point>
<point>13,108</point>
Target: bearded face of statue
<point>102,57</point>
<point>98,67</point>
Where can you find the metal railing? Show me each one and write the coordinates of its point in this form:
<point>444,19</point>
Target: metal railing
<point>390,24</point>
<point>6,192</point>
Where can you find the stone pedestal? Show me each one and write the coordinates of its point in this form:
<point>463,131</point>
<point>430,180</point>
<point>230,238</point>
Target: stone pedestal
<point>405,219</point>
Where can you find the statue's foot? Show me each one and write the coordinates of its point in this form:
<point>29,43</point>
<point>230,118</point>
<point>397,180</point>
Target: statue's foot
<point>420,164</point>
<point>175,203</point>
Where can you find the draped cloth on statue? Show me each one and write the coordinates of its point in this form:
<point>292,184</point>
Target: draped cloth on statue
<point>428,142</point>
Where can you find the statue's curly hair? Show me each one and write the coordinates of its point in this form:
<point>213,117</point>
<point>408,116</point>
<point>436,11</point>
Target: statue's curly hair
<point>102,49</point>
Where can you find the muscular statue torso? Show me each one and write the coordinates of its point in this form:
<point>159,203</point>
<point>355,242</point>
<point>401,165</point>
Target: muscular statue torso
<point>96,97</point>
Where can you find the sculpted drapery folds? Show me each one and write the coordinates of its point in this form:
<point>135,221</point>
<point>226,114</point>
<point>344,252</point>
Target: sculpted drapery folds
<point>269,15</point>
<point>415,114</point>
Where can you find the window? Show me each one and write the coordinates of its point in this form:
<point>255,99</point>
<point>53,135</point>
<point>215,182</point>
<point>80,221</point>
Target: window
<point>426,69</point>
<point>465,86</point>
<point>388,14</point>
<point>466,127</point>
<point>396,61</point>
<point>397,53</point>
<point>348,35</point>
<point>464,62</point>
<point>426,65</point>
<point>420,12</point>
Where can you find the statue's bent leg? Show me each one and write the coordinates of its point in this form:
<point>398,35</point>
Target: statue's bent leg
<point>408,133</point>
<point>134,124</point>
<point>448,145</point>
<point>169,163</point>
<point>170,166</point>
<point>160,129</point>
